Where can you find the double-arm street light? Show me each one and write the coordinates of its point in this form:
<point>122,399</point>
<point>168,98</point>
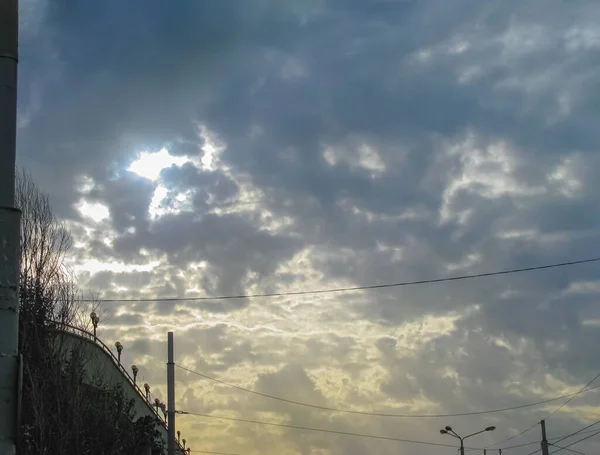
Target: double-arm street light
<point>448,430</point>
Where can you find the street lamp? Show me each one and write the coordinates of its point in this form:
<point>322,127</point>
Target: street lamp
<point>449,431</point>
<point>135,370</point>
<point>147,389</point>
<point>95,320</point>
<point>157,404</point>
<point>119,347</point>
<point>178,436</point>
<point>183,440</point>
<point>163,408</point>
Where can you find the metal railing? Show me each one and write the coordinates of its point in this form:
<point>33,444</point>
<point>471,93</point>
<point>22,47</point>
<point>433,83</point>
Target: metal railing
<point>89,337</point>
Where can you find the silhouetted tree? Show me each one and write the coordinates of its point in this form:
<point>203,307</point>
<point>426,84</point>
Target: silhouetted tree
<point>63,410</point>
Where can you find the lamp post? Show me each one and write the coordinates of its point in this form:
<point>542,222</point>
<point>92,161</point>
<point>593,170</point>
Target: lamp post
<point>147,389</point>
<point>135,370</point>
<point>178,436</point>
<point>157,404</point>
<point>448,430</point>
<point>183,440</point>
<point>119,347</point>
<point>95,320</point>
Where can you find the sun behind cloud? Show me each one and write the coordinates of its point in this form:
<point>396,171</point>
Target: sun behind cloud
<point>150,164</point>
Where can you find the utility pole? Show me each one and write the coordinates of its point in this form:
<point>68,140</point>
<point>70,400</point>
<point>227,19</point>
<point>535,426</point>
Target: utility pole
<point>170,397</point>
<point>10,219</point>
<point>544,440</point>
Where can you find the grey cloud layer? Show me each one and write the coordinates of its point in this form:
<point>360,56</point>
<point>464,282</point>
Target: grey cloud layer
<point>382,141</point>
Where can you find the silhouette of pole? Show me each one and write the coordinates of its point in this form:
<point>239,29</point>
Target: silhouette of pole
<point>170,397</point>
<point>10,219</point>
<point>544,440</point>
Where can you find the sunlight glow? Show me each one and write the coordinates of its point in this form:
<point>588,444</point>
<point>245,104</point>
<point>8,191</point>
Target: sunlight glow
<point>93,210</point>
<point>162,205</point>
<point>149,165</point>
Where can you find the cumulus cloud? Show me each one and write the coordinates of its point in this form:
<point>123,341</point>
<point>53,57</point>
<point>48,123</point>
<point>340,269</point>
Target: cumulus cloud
<point>208,149</point>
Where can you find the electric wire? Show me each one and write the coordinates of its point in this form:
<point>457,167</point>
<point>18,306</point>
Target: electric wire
<point>568,450</point>
<point>570,399</point>
<point>576,442</point>
<point>349,289</point>
<point>320,430</point>
<point>571,396</point>
<point>377,414</point>
<point>580,431</point>
<point>525,444</point>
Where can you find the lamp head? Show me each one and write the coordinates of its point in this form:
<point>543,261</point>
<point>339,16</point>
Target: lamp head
<point>443,432</point>
<point>135,369</point>
<point>119,346</point>
<point>448,428</point>
<point>492,428</point>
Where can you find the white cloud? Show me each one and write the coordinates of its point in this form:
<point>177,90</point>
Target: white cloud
<point>93,210</point>
<point>298,153</point>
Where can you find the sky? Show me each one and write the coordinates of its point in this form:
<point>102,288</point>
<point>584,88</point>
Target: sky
<point>208,148</point>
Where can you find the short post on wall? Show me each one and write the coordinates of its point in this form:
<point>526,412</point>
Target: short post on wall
<point>135,371</point>
<point>119,347</point>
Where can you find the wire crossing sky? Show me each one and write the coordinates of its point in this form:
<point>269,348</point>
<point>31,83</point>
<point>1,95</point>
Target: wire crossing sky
<point>375,414</point>
<point>355,288</point>
<point>293,190</point>
<point>320,430</point>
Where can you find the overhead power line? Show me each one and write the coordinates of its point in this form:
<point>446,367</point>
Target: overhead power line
<point>379,414</point>
<point>568,450</point>
<point>525,444</point>
<point>571,396</point>
<point>352,288</point>
<point>320,430</point>
<point>576,442</point>
<point>578,432</point>
<point>570,399</point>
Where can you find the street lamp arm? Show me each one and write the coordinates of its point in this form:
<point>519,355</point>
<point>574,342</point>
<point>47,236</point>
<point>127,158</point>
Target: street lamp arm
<point>475,434</point>
<point>454,434</point>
